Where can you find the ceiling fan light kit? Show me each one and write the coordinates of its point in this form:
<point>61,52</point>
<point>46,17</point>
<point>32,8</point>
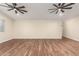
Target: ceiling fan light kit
<point>60,13</point>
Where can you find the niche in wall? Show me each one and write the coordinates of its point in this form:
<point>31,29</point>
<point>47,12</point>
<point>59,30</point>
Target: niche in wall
<point>2,25</point>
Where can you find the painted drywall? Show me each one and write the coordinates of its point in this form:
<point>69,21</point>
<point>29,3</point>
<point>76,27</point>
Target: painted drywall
<point>34,29</point>
<point>8,24</point>
<point>71,28</point>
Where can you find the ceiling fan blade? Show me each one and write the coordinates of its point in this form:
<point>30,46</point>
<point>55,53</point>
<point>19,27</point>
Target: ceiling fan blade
<point>20,11</point>
<point>52,11</point>
<point>10,9</point>
<point>56,11</point>
<point>62,4</point>
<point>68,8</point>
<point>62,10</point>
<point>69,4</point>
<point>9,5</point>
<point>21,7</point>
<point>4,6</point>
<point>59,4</point>
<point>55,5</point>
<point>16,12</point>
<point>14,4</point>
<point>24,10</point>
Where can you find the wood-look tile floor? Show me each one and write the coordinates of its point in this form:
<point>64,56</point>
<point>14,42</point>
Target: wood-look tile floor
<point>39,47</point>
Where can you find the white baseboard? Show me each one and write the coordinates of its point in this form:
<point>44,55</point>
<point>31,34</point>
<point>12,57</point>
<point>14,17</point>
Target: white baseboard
<point>71,37</point>
<point>58,37</point>
<point>1,41</point>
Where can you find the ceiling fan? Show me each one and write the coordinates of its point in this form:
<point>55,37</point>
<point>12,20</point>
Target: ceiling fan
<point>15,7</point>
<point>61,7</point>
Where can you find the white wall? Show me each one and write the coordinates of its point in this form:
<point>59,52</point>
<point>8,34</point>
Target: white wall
<point>37,29</point>
<point>71,28</point>
<point>7,34</point>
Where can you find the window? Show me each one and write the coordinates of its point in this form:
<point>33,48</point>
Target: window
<point>1,25</point>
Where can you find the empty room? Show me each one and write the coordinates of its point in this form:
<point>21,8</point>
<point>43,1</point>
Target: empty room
<point>39,29</point>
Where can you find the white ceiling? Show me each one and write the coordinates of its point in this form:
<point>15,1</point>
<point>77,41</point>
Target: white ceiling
<point>40,11</point>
